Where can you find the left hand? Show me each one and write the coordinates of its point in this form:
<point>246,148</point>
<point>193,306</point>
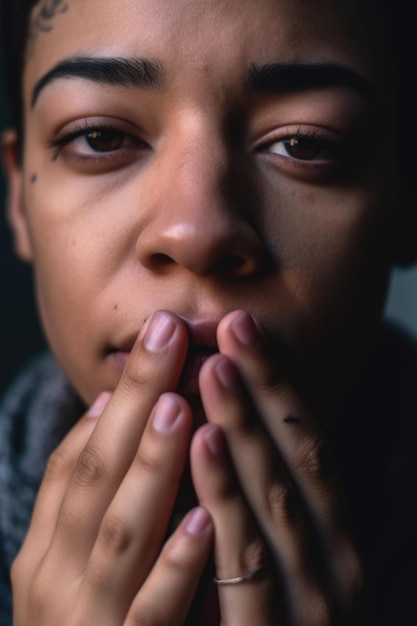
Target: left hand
<point>262,468</point>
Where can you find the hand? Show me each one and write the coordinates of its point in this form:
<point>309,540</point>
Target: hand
<point>95,551</point>
<point>263,470</point>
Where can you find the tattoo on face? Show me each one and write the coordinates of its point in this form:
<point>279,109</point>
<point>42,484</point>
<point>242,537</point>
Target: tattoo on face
<point>291,419</point>
<point>41,20</point>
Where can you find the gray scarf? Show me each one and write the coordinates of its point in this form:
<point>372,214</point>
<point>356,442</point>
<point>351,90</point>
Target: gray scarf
<point>37,411</point>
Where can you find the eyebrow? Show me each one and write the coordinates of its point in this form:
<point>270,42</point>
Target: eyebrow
<point>270,78</point>
<point>125,72</point>
<point>291,77</point>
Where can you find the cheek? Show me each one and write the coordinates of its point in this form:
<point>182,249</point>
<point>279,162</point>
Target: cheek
<point>69,267</point>
<point>331,250</point>
<point>325,304</point>
<point>72,235</point>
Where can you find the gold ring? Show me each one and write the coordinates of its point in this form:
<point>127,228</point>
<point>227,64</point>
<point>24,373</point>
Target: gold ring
<point>257,573</point>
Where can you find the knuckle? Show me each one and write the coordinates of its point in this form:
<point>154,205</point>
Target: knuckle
<point>282,503</point>
<point>253,556</point>
<point>114,535</point>
<point>175,561</point>
<point>135,374</point>
<point>172,563</point>
<point>59,464</point>
<point>311,458</point>
<point>142,614</point>
<point>250,558</point>
<point>149,461</point>
<point>90,468</point>
<point>320,612</point>
<point>315,609</point>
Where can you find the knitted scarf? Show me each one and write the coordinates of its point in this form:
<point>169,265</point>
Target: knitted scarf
<point>36,413</point>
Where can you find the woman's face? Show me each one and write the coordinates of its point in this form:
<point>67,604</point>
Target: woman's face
<point>201,157</point>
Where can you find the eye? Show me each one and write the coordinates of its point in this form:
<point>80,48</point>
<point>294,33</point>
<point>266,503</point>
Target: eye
<point>306,148</point>
<point>308,152</point>
<point>104,140</point>
<point>89,141</point>
<point>98,146</point>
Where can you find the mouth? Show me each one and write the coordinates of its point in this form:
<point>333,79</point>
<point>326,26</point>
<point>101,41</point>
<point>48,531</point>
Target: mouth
<point>202,345</point>
<point>188,384</point>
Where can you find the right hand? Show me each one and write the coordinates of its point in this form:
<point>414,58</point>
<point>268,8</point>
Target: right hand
<point>95,552</point>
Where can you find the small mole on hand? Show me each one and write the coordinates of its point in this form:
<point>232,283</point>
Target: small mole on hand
<point>290,419</point>
<point>116,306</point>
<point>33,178</point>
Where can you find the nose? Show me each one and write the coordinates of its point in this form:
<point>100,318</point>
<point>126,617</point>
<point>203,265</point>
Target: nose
<point>199,216</point>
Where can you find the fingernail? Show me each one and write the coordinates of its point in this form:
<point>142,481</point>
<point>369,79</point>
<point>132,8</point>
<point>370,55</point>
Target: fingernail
<point>198,521</point>
<point>245,329</point>
<point>214,439</point>
<point>97,408</point>
<point>166,413</point>
<point>159,332</point>
<point>227,374</point>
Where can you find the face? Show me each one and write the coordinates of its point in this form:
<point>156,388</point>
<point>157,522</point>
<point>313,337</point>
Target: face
<point>202,157</point>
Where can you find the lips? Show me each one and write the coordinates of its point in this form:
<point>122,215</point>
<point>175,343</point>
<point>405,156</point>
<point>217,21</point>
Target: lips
<point>188,385</point>
<point>202,344</point>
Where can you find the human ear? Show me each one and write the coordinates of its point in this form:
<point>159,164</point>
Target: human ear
<point>15,210</point>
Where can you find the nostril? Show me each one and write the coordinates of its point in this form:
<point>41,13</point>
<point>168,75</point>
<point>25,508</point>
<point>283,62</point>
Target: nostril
<point>202,246</point>
<point>229,263</point>
<point>160,261</point>
<point>239,266</point>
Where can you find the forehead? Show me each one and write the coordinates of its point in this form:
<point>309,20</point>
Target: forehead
<point>214,37</point>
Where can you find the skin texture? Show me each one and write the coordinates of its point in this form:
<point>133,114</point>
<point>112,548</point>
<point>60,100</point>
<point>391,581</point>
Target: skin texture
<point>163,221</point>
<point>199,210</point>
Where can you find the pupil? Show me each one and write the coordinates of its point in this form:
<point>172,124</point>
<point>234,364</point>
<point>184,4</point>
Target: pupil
<point>302,148</point>
<point>104,140</point>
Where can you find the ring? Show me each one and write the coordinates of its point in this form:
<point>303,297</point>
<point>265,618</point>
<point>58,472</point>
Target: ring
<point>257,573</point>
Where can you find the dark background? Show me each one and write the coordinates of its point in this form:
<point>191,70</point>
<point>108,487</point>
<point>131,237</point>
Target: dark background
<point>20,335</point>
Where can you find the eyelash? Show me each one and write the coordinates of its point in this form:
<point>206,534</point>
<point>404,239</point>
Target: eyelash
<point>83,130</point>
<point>328,150</point>
<point>314,138</point>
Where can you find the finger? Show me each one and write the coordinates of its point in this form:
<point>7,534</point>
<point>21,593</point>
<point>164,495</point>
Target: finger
<point>265,481</point>
<point>154,367</point>
<point>267,485</point>
<point>282,427</point>
<point>285,417</point>
<point>134,526</point>
<point>239,548</point>
<point>55,482</point>
<point>166,596</point>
